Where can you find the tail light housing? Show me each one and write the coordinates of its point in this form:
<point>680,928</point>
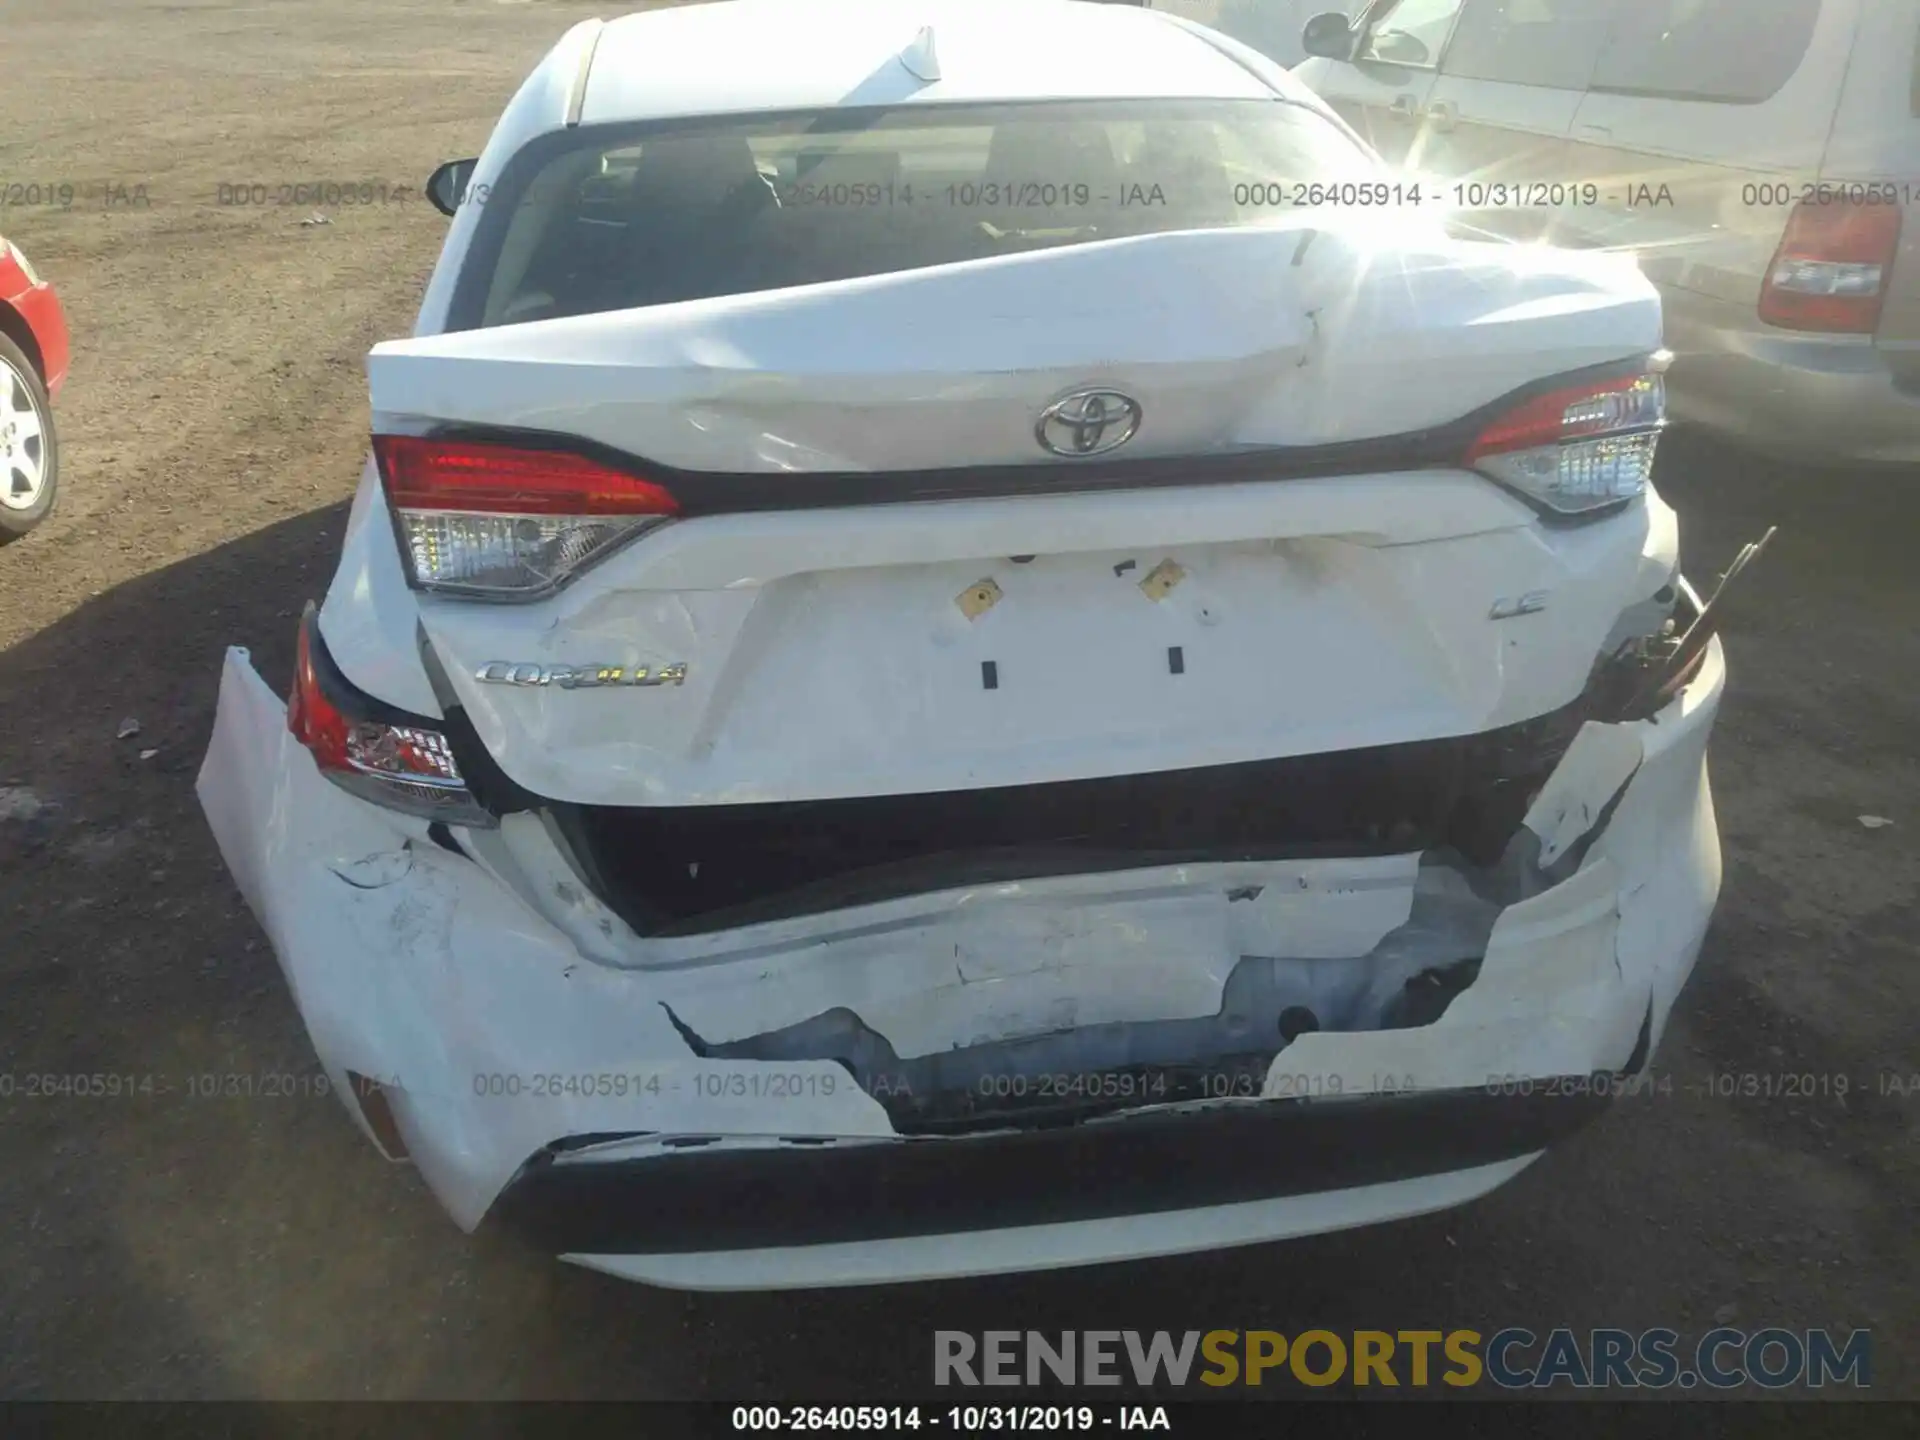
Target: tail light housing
<point>386,756</point>
<point>1579,448</point>
<point>1830,272</point>
<point>508,522</point>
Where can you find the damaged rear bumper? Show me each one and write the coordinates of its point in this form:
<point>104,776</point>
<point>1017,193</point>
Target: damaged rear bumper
<point>779,1106</point>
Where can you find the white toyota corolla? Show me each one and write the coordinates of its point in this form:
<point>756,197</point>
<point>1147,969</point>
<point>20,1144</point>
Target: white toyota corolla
<point>968,644</point>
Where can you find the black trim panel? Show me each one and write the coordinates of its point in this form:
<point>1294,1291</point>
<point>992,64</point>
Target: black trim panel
<point>703,1199</point>
<point>690,869</point>
<point>712,492</point>
<point>345,696</point>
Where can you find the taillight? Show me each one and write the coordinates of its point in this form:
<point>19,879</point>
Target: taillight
<point>507,522</point>
<point>399,761</point>
<point>1580,447</point>
<point>1830,272</point>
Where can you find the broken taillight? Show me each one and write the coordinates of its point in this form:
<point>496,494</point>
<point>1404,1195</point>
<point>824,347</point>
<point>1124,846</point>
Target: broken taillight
<point>508,522</point>
<point>1830,272</point>
<point>402,762</point>
<point>1579,447</point>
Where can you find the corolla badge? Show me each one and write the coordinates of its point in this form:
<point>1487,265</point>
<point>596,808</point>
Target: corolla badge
<point>1088,422</point>
<point>579,677</point>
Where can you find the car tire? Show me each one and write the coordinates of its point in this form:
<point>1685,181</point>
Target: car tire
<point>29,447</point>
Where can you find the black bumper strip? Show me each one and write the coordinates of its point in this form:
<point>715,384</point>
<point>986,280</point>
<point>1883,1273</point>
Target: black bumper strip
<point>711,492</point>
<point>709,1199</point>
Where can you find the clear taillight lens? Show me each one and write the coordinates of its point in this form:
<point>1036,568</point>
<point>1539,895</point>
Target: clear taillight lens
<point>1829,274</point>
<point>509,556</point>
<point>507,522</point>
<point>1579,448</point>
<point>404,766</point>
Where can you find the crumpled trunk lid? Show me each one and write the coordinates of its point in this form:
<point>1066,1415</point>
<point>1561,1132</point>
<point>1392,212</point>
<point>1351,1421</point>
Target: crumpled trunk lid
<point>1291,334</point>
<point>1035,635</point>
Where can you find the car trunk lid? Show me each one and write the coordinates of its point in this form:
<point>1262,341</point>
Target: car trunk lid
<point>1279,335</point>
<point>1026,635</point>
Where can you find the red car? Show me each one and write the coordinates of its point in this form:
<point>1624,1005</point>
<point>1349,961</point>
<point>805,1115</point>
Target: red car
<point>33,363</point>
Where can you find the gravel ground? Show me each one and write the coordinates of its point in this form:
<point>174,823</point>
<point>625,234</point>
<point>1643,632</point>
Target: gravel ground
<point>170,1246</point>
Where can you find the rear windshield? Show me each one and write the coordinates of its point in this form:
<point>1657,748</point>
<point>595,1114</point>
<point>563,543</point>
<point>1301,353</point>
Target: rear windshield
<point>615,218</point>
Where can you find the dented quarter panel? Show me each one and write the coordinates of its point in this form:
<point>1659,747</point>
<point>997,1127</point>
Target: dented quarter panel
<point>439,981</point>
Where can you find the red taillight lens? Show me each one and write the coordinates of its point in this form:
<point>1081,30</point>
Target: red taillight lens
<point>1579,447</point>
<point>311,717</point>
<point>425,474</point>
<point>508,522</point>
<point>404,766</point>
<point>1575,412</point>
<point>1830,272</point>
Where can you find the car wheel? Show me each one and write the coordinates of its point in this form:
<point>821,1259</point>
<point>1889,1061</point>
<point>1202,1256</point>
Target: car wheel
<point>29,449</point>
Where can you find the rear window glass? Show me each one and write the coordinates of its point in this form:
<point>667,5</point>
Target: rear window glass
<point>1735,51</point>
<point>623,217</point>
<point>1529,42</point>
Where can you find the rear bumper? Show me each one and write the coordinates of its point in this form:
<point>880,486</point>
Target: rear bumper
<point>562,1097</point>
<point>1822,397</point>
<point>960,1253</point>
<point>714,1198</point>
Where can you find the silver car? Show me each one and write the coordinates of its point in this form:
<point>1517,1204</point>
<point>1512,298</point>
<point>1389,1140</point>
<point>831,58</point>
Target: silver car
<point>1761,157</point>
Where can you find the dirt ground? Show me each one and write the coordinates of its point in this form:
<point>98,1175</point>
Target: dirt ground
<point>171,1246</point>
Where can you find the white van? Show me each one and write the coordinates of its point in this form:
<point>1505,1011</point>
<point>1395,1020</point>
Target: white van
<point>1762,158</point>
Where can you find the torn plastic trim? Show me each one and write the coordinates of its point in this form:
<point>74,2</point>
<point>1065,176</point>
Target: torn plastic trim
<point>1648,669</point>
<point>1571,972</point>
<point>1546,916</point>
<point>1072,1074</point>
<point>1408,981</point>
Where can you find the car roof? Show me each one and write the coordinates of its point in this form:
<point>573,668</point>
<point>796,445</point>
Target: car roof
<point>738,56</point>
